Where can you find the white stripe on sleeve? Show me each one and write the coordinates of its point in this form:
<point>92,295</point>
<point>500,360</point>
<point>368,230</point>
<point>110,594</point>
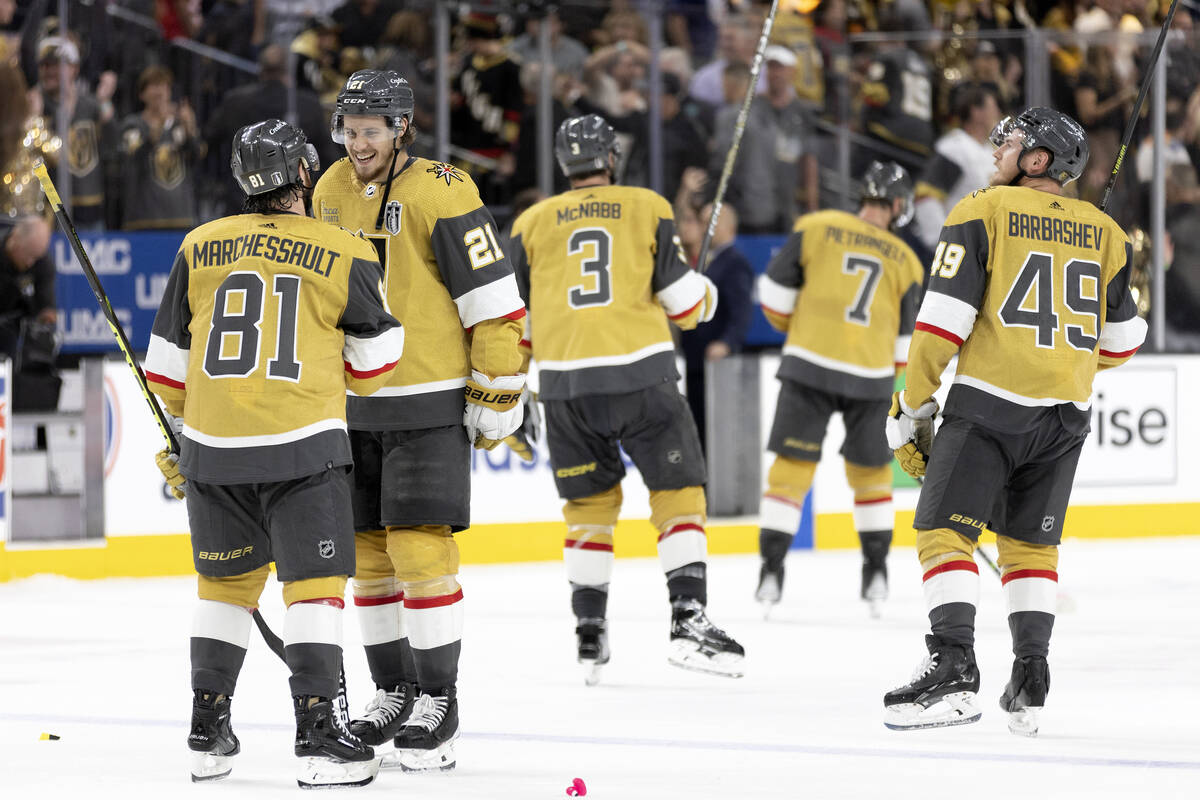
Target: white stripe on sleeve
<point>775,296</point>
<point>490,301</point>
<point>900,356</point>
<point>164,358</point>
<point>948,313</point>
<point>373,354</point>
<point>1121,337</point>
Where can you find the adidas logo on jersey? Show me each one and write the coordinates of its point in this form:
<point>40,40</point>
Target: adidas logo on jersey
<point>1057,206</point>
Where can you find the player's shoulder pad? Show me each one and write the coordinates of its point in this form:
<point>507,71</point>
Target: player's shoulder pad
<point>443,190</point>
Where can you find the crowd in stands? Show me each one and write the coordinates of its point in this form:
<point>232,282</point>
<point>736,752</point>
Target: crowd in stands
<point>150,121</point>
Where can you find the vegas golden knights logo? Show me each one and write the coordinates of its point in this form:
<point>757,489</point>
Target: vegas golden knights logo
<point>391,216</point>
<point>167,168</point>
<point>83,149</point>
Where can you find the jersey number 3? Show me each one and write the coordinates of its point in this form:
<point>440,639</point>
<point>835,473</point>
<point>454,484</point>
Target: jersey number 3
<point>596,245</point>
<point>233,348</point>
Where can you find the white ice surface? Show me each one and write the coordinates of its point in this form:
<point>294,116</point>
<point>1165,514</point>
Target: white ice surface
<point>105,666</point>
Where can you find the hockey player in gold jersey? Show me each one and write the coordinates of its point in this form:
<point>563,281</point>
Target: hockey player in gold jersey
<point>267,318</point>
<point>845,290</point>
<point>449,281</point>
<point>603,272</point>
<point>1031,290</point>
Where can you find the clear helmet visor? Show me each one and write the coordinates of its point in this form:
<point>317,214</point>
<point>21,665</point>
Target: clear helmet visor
<point>906,212</point>
<point>375,131</point>
<point>311,159</point>
<point>1003,131</point>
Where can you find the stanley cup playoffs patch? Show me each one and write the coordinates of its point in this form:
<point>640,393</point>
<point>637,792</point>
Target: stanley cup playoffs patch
<point>391,216</point>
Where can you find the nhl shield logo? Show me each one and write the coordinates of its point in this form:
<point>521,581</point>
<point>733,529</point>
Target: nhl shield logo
<point>391,216</point>
<point>325,548</point>
<point>1047,524</point>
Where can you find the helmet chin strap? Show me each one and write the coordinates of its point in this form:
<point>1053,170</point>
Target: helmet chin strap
<point>387,186</point>
<point>1021,173</point>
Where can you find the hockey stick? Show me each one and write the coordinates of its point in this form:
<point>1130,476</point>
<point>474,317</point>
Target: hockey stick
<point>987,559</point>
<point>164,425</point>
<point>1137,105</point>
<point>738,129</point>
<point>341,703</point>
<point>64,221</point>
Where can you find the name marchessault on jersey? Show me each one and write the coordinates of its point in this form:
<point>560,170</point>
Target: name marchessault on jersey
<point>280,249</point>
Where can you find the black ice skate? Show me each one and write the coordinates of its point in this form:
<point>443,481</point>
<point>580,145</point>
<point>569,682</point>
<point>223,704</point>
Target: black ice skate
<point>386,712</point>
<point>426,741</point>
<point>770,587</point>
<point>699,645</point>
<point>941,692</point>
<point>1025,694</point>
<point>592,640</point>
<point>329,754</point>
<point>211,739</point>
<point>874,586</point>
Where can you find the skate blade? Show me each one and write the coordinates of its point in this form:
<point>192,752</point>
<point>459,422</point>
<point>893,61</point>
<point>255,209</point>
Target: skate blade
<point>317,772</point>
<point>440,759</point>
<point>959,708</point>
<point>209,767</point>
<point>686,654</point>
<point>389,758</point>
<point>875,607</point>
<point>1025,721</point>
<point>591,675</point>
<point>767,606</point>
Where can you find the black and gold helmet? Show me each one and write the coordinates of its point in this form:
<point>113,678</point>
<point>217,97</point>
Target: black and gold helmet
<point>1052,131</point>
<point>583,144</point>
<point>887,180</point>
<point>268,155</point>
<point>372,92</point>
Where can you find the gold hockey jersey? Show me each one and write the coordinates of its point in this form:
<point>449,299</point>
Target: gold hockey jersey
<point>602,271</point>
<point>265,322</point>
<point>1034,287</point>
<point>446,275</point>
<point>846,293</point>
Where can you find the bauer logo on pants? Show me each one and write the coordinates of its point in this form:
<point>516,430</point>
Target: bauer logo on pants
<point>325,548</point>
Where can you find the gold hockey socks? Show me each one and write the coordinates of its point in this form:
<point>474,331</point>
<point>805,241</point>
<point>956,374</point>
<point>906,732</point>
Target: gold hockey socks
<point>788,481</point>
<point>1029,573</point>
<point>872,497</point>
<point>951,584</point>
<point>312,645</point>
<point>679,516</point>
<point>426,560</point>
<point>220,636</point>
